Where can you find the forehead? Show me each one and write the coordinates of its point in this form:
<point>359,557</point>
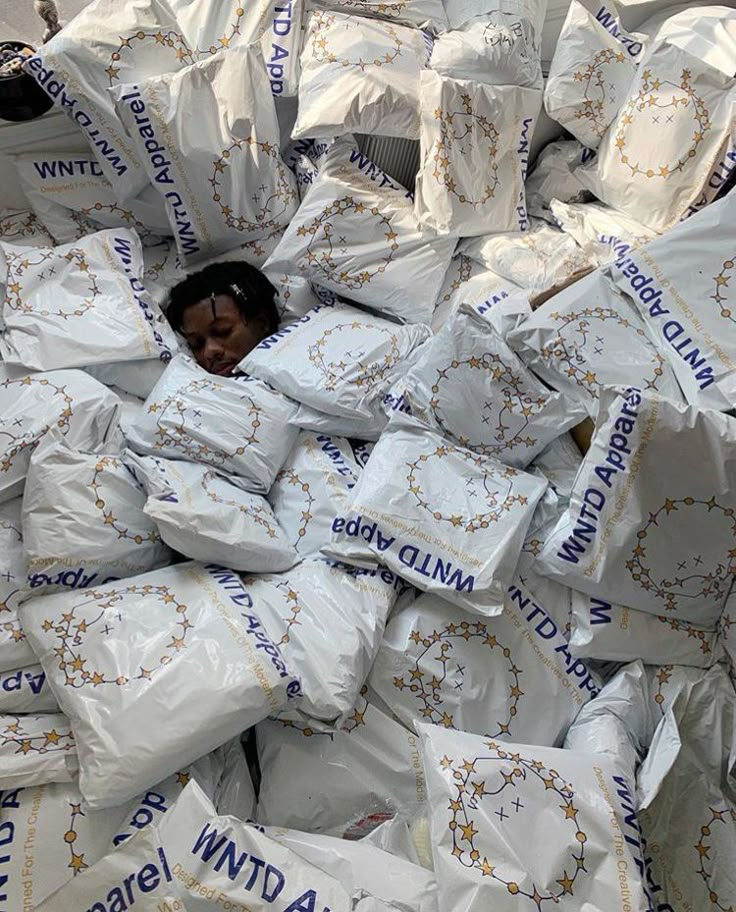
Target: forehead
<point>198,317</point>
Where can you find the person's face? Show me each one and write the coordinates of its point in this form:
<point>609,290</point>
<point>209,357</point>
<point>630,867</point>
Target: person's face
<point>218,335</point>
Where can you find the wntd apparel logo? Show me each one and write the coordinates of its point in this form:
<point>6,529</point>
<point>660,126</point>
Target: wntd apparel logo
<point>357,353</point>
<point>668,110</point>
<point>156,43</point>
<point>686,571</point>
<point>344,224</point>
<point>587,342</point>
<point>292,604</point>
<point>460,132</point>
<point>328,31</point>
<point>600,83</point>
<point>216,489</point>
<point>106,471</point>
<point>498,799</point>
<point>182,415</point>
<point>722,290</point>
<point>27,271</point>
<point>82,632</point>
<point>505,416</point>
<point>28,739</point>
<point>490,491</point>
<point>435,676</point>
<point>273,201</point>
<point>19,432</point>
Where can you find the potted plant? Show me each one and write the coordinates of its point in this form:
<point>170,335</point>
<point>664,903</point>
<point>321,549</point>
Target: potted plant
<point>20,97</point>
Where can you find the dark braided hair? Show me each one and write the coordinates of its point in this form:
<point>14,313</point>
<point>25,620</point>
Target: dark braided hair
<point>253,294</point>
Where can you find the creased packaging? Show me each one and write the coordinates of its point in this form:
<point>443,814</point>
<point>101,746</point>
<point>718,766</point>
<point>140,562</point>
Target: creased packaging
<point>448,520</point>
<point>127,696</point>
<point>659,541</point>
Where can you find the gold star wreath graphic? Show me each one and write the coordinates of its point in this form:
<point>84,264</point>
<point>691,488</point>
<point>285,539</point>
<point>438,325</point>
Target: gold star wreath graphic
<point>510,403</point>
<point>18,443</point>
<point>21,224</point>
<point>593,79</point>
<point>176,429</point>
<point>355,368</point>
<point>715,584</point>
<point>706,864</point>
<point>274,198</point>
<point>322,53</point>
<point>16,734</point>
<point>463,275</point>
<point>460,131</point>
<point>105,470</point>
<point>36,267</point>
<point>439,648</point>
<point>328,261</point>
<point>722,288</point>
<point>661,95</point>
<point>691,632</point>
<point>567,351</point>
<point>159,41</point>
<point>367,7</point>
<point>353,722</point>
<point>470,783</point>
<point>72,627</point>
<point>495,502</point>
<point>77,862</point>
<point>290,477</point>
<point>225,40</point>
<point>257,513</point>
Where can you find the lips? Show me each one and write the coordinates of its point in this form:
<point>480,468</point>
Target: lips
<point>224,370</point>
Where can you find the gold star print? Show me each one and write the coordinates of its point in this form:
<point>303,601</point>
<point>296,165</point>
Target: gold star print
<point>702,850</point>
<point>358,717</point>
<point>97,678</point>
<point>77,863</point>
<point>446,720</point>
<point>177,643</point>
<point>468,832</point>
<point>52,737</point>
<point>445,762</point>
<point>468,766</point>
<point>486,869</point>
<point>455,806</point>
<point>566,884</point>
<point>479,789</point>
<point>78,664</point>
<point>183,779</point>
<point>112,72</point>
<point>569,809</point>
<point>25,746</point>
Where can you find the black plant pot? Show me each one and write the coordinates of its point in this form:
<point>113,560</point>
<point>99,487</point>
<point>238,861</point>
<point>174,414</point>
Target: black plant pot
<point>20,96</point>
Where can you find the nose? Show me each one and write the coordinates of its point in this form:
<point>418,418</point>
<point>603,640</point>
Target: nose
<point>212,353</point>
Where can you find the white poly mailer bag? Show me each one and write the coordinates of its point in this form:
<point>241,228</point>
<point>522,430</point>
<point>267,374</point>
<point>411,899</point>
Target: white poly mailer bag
<point>662,541</point>
<point>210,27</point>
<point>73,198</point>
<point>498,47</point>
<point>203,515</point>
<point>603,233</point>
<point>107,44</point>
<point>356,234</point>
<point>316,603</point>
<point>366,870</point>
<point>688,800</point>
<point>440,664</point>
<point>236,425</point>
<point>35,750</point>
<point>589,77</point>
<point>474,152</point>
<point>149,698</point>
<point>469,384</point>
<point>220,173</point>
<point>448,520</point>
<point>559,463</point>
<point>609,632</point>
<point>680,283</point>
<point>83,521</point>
<point>359,75</point>
<point>343,783</point>
<point>553,178</point>
<point>313,485</point>
<point>82,409</point>
<point>14,648</point>
<point>589,336</point>
<point>673,127</point>
<point>235,794</point>
<point>516,824</point>
<point>52,837</point>
<point>80,304</point>
<point>465,278</point>
<point>26,690</point>
<point>429,14</point>
<point>193,859</point>
<point>22,227</point>
<point>536,260</point>
<point>338,360</point>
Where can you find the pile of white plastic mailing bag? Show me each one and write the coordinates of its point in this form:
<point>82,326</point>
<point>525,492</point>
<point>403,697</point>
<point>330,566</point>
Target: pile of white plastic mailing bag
<point>363,626</point>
